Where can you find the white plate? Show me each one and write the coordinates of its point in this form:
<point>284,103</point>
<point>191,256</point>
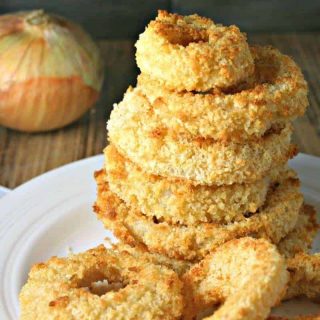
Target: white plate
<point>3,191</point>
<point>52,213</point>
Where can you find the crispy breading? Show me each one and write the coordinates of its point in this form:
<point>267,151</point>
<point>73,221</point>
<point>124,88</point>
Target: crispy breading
<point>301,237</point>
<point>274,221</point>
<point>60,288</point>
<point>157,150</point>
<point>297,241</point>
<point>178,201</point>
<point>141,253</point>
<point>193,53</point>
<point>243,114</point>
<point>304,272</point>
<point>247,276</point>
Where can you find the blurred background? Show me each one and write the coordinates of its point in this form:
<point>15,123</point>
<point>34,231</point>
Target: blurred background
<point>127,18</point>
<point>291,25</point>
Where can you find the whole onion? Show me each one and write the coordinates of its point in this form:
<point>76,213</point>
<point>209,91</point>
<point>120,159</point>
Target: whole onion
<point>51,71</point>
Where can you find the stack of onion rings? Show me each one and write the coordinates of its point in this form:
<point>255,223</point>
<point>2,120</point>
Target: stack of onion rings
<point>274,221</point>
<point>195,186</point>
<point>193,53</point>
<point>58,289</point>
<point>195,162</point>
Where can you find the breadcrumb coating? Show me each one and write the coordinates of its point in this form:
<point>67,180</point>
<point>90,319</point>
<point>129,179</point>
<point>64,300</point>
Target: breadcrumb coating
<point>246,276</point>
<point>304,272</point>
<point>178,201</point>
<point>141,253</point>
<point>157,150</point>
<point>60,289</point>
<point>299,240</point>
<point>274,221</point>
<point>278,93</point>
<point>303,268</point>
<point>193,53</point>
<point>301,237</point>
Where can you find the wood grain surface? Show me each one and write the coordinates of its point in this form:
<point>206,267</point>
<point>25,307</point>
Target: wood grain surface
<point>24,156</point>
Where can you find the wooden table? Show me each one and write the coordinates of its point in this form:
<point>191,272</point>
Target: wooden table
<point>23,156</point>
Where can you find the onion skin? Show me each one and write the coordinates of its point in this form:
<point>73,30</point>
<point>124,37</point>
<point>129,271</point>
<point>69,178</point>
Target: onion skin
<point>51,72</point>
<point>51,103</point>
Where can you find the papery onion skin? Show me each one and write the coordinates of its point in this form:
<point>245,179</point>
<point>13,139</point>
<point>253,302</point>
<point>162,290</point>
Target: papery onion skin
<point>51,71</point>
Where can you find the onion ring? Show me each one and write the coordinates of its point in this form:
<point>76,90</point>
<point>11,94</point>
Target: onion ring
<point>248,276</point>
<point>273,97</point>
<point>304,272</point>
<point>157,150</point>
<point>301,237</point>
<point>275,220</point>
<point>178,201</point>
<point>57,289</point>
<point>186,53</point>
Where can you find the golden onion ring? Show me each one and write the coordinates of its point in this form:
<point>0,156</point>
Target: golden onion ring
<point>247,276</point>
<point>301,237</point>
<point>185,53</point>
<point>304,272</point>
<point>60,288</point>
